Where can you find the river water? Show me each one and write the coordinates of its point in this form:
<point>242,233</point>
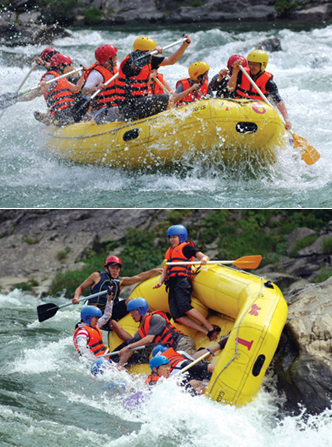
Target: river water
<point>50,399</point>
<point>33,178</point>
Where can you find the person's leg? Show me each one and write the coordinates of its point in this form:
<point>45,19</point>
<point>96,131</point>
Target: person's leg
<point>118,329</point>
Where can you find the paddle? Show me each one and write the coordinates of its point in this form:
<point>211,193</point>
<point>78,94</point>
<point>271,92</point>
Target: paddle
<point>190,365</point>
<point>9,99</point>
<point>246,262</point>
<point>162,86</point>
<point>48,310</point>
<point>21,85</point>
<point>308,152</point>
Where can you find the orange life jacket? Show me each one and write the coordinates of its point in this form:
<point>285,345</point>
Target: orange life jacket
<point>173,357</point>
<point>60,97</point>
<point>170,334</point>
<point>192,95</point>
<point>95,343</point>
<point>246,90</point>
<point>107,97</point>
<point>175,255</point>
<point>152,379</point>
<point>132,87</point>
<point>154,87</point>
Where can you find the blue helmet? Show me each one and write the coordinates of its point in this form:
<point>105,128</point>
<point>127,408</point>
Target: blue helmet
<point>157,361</point>
<point>178,230</point>
<point>90,311</point>
<point>140,304</point>
<point>159,349</point>
<point>100,366</point>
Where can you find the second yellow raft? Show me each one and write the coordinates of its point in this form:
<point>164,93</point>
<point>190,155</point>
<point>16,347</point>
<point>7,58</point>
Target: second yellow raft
<point>250,309</point>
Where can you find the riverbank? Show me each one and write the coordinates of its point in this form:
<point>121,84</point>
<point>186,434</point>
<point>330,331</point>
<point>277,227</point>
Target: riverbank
<point>118,13</point>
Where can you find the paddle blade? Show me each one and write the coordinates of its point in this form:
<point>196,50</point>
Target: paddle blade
<point>9,99</point>
<point>308,152</point>
<point>46,311</point>
<point>137,399</point>
<point>80,109</point>
<point>248,262</point>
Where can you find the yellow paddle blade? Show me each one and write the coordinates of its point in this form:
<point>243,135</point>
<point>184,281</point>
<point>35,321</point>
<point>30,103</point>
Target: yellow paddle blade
<point>248,262</point>
<point>308,152</point>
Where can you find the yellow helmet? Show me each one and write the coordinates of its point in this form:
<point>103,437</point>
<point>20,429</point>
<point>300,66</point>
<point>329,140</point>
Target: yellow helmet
<point>259,56</point>
<point>144,43</point>
<point>197,69</point>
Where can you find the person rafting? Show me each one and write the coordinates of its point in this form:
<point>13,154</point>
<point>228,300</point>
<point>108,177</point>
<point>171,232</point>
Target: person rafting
<point>195,87</point>
<point>160,368</point>
<point>219,82</point>
<point>45,57</point>
<point>110,277</point>
<point>104,105</point>
<point>158,88</point>
<point>132,83</point>
<point>59,95</point>
<point>88,338</point>
<point>154,327</point>
<point>180,359</point>
<point>178,282</point>
<point>238,83</point>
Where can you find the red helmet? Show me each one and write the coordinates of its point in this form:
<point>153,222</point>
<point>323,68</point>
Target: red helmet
<point>234,58</point>
<point>59,59</point>
<point>47,54</point>
<point>111,260</point>
<point>104,53</point>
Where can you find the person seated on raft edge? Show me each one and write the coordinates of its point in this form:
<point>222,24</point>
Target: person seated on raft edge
<point>238,83</point>
<point>219,82</point>
<point>110,277</point>
<point>155,88</point>
<point>180,359</point>
<point>198,81</point>
<point>154,327</point>
<point>104,106</point>
<point>88,338</point>
<point>178,282</point>
<point>59,96</point>
<point>133,81</point>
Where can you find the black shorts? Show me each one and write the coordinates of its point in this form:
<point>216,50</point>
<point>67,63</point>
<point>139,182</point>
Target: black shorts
<point>119,311</point>
<point>179,296</point>
<point>143,107</point>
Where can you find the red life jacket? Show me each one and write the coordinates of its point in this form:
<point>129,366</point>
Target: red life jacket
<point>175,255</point>
<point>154,87</point>
<point>169,335</point>
<point>192,95</point>
<point>152,379</point>
<point>246,90</point>
<point>107,97</point>
<point>95,343</point>
<point>132,87</point>
<point>60,97</point>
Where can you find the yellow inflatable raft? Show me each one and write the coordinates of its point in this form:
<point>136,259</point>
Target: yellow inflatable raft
<point>252,310</point>
<point>228,130</point>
